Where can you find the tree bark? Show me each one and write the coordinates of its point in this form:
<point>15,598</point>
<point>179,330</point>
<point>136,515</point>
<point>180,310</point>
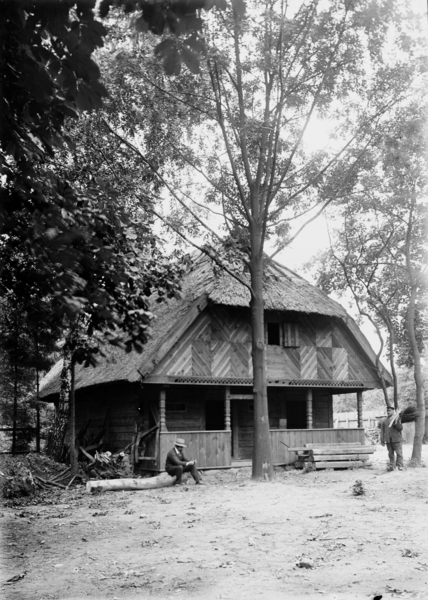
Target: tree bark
<point>262,453</point>
<point>37,412</point>
<point>410,326</point>
<point>73,451</point>
<point>62,414</point>
<point>149,483</point>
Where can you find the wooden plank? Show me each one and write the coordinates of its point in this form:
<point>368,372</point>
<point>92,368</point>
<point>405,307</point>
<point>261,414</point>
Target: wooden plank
<point>291,364</point>
<point>308,362</point>
<point>325,363</point>
<point>348,450</point>
<point>346,457</point>
<point>201,358</point>
<point>240,359</point>
<point>323,333</point>
<point>333,444</point>
<point>341,465</point>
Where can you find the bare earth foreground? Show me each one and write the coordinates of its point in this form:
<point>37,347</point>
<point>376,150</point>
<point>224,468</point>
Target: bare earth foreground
<point>306,535</point>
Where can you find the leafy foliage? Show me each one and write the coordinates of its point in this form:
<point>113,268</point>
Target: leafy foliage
<point>81,249</point>
<point>181,18</point>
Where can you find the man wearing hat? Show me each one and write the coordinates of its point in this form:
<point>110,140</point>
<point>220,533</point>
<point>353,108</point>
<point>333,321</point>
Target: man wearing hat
<point>391,435</point>
<point>176,463</point>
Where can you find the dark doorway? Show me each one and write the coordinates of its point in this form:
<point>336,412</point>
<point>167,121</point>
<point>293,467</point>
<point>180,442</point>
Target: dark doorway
<point>242,429</point>
<point>296,414</point>
<point>214,415</point>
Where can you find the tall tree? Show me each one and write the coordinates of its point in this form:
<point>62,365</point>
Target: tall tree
<point>269,70</point>
<point>381,251</point>
<point>86,257</point>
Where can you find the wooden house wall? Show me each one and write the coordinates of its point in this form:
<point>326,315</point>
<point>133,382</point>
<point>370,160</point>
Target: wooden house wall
<point>281,401</point>
<point>114,406</point>
<point>218,344</point>
<point>123,407</point>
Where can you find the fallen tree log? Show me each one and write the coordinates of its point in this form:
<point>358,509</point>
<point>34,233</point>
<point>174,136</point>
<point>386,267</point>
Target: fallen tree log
<point>148,483</point>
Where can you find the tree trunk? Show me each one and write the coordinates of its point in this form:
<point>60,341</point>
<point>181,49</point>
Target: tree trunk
<point>417,371</point>
<point>410,326</point>
<point>37,411</point>
<point>262,453</point>
<point>59,427</point>
<point>73,451</point>
<point>391,343</point>
<point>149,483</point>
<point>15,406</point>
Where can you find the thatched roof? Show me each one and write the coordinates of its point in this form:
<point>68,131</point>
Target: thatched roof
<point>284,290</point>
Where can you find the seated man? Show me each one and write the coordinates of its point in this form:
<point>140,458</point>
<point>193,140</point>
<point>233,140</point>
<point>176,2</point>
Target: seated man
<point>176,463</point>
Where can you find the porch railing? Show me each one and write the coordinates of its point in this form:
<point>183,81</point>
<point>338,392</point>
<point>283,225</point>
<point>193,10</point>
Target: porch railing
<point>213,448</point>
<point>299,437</point>
<point>209,448</point>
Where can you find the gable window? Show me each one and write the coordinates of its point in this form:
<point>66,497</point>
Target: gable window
<point>273,334</point>
<point>290,335</point>
<point>282,334</point>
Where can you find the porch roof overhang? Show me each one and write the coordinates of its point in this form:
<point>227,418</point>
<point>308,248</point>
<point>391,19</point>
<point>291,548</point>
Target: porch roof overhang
<point>337,387</point>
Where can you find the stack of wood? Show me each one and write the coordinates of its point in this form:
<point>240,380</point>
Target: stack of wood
<point>105,465</point>
<point>333,456</point>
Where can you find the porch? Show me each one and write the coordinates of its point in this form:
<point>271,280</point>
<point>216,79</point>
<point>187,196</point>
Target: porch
<point>213,449</point>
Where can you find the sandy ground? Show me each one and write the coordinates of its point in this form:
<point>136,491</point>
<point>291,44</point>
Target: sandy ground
<point>305,535</point>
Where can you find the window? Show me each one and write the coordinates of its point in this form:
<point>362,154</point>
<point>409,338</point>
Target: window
<point>273,334</point>
<point>282,334</point>
<point>291,335</point>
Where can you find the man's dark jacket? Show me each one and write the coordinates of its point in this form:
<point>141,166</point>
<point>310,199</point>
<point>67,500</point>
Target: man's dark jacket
<point>390,435</point>
<point>174,460</point>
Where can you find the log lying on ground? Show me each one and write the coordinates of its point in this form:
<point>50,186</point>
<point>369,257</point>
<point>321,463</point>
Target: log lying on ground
<point>106,485</point>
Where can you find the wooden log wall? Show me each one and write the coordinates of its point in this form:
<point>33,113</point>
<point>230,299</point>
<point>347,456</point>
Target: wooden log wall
<point>117,406</point>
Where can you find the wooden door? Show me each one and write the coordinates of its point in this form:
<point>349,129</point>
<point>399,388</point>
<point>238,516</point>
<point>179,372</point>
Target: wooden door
<point>242,413</point>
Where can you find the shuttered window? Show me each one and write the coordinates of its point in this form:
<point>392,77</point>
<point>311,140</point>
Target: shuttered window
<point>282,334</point>
<point>290,335</point>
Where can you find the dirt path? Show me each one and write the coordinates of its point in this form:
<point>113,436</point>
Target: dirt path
<point>232,538</point>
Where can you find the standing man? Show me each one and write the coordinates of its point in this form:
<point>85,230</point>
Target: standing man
<point>176,463</point>
<point>391,435</point>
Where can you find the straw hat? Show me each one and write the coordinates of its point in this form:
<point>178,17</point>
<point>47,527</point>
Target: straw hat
<point>180,443</point>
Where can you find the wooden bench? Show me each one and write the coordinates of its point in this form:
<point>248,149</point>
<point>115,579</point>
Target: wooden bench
<point>333,456</point>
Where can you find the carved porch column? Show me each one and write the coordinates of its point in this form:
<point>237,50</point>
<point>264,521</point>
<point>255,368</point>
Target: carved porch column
<point>309,411</point>
<point>162,410</point>
<point>227,409</point>
<point>360,408</point>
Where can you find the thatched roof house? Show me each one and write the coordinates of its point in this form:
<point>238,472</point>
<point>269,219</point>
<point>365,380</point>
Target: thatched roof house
<point>195,373</point>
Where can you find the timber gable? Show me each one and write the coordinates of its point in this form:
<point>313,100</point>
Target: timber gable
<point>216,347</point>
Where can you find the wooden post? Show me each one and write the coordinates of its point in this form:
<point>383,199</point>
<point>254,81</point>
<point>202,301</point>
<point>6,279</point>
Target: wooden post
<point>309,413</point>
<point>360,408</point>
<point>162,410</point>
<point>227,409</point>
